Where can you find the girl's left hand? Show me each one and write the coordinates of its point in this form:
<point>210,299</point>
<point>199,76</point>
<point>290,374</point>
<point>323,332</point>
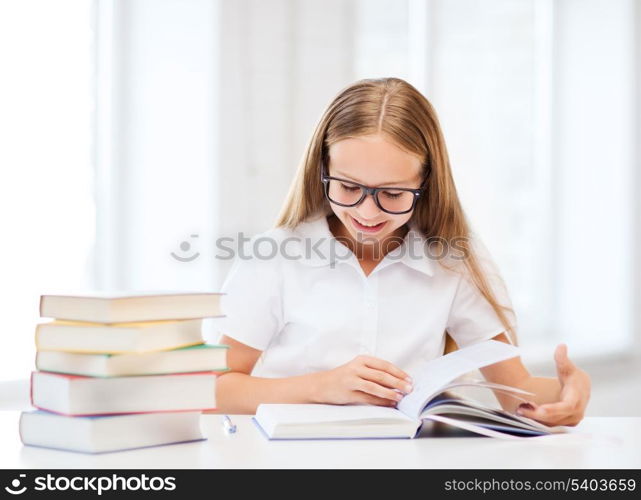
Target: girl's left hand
<point>574,396</point>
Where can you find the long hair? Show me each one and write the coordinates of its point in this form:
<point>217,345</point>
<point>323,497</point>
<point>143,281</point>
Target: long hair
<point>394,108</point>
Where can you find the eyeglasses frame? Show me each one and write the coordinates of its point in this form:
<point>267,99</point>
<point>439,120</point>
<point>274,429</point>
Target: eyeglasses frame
<point>365,190</point>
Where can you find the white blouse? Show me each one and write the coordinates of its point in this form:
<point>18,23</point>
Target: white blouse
<point>303,299</point>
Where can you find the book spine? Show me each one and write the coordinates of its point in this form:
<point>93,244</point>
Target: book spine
<point>31,388</point>
<point>37,337</point>
<point>20,425</point>
<point>123,413</point>
<point>137,377</point>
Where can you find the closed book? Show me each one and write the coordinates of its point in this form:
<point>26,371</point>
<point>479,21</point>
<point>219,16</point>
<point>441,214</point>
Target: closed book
<point>128,307</point>
<point>76,395</point>
<point>198,358</point>
<point>146,336</point>
<point>108,433</point>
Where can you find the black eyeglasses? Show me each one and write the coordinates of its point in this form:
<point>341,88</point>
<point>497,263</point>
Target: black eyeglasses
<point>393,200</point>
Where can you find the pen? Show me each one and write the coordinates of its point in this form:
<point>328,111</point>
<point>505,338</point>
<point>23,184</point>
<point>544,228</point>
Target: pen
<point>228,425</point>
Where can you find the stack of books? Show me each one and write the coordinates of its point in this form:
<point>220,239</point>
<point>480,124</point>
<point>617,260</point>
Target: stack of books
<point>122,372</point>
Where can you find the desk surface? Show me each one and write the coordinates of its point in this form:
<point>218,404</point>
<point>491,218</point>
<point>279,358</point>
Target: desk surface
<point>598,442</point>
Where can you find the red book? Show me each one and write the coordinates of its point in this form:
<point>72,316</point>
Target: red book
<point>81,396</point>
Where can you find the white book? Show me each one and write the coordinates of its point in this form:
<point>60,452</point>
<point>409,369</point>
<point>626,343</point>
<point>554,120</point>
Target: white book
<point>431,400</point>
<point>130,306</point>
<point>83,396</point>
<point>108,433</point>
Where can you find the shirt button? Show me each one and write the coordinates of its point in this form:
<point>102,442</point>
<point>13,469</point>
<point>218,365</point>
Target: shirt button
<point>370,304</point>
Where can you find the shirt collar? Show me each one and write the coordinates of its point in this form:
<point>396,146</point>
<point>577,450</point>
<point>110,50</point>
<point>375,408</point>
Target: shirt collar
<point>320,248</point>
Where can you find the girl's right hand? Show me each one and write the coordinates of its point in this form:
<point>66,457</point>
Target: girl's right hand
<point>364,379</point>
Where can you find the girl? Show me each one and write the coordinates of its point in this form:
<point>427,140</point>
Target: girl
<point>360,285</point>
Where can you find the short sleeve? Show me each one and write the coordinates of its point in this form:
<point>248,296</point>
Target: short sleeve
<point>472,318</point>
<point>252,302</point>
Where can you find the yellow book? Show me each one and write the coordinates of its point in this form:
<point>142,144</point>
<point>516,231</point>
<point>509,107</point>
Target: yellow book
<point>144,336</point>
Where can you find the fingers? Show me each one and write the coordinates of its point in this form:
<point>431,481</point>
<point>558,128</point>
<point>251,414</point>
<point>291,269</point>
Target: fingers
<point>376,381</point>
<point>363,397</point>
<point>542,417</point>
<point>535,413</point>
<point>382,379</point>
<point>386,366</point>
<point>564,367</point>
<point>385,379</point>
<point>561,413</point>
<point>378,390</point>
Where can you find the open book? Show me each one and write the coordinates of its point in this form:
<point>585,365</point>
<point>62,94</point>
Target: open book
<point>431,403</point>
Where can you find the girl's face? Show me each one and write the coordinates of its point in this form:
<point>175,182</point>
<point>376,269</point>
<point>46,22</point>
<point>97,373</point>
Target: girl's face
<point>373,161</point>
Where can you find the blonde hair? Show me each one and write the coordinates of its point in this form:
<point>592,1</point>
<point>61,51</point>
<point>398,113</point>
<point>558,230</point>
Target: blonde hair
<point>394,108</point>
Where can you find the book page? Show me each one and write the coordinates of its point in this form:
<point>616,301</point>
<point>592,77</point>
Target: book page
<point>474,428</point>
<point>506,390</point>
<point>436,373</point>
<point>489,385</point>
<point>321,421</point>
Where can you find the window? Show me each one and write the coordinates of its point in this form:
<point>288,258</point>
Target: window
<point>536,101</point>
<point>46,97</point>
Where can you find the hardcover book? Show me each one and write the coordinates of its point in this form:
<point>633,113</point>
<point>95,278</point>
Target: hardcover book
<point>431,401</point>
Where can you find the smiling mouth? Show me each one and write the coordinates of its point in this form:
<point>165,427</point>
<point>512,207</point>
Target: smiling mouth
<point>365,227</point>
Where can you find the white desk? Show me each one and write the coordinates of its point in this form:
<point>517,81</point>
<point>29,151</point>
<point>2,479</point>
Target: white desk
<point>598,442</point>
